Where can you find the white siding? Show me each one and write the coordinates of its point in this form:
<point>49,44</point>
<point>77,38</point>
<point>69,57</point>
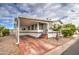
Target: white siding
<point>31,34</point>
<point>37,34</point>
<point>51,34</point>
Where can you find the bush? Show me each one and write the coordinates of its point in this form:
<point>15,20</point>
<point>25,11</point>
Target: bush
<point>68,30</point>
<point>5,32</point>
<point>1,29</point>
<point>73,28</point>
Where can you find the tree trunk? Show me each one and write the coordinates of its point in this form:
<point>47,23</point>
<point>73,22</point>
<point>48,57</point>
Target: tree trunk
<point>57,36</point>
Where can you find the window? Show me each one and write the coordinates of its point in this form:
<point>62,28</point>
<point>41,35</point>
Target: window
<point>28,27</point>
<point>35,26</point>
<point>32,27</point>
<point>23,28</point>
<point>41,26</point>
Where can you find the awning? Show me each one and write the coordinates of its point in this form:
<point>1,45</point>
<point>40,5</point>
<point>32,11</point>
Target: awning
<point>30,21</point>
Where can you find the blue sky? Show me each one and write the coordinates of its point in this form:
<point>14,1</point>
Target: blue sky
<point>7,21</point>
<point>63,11</point>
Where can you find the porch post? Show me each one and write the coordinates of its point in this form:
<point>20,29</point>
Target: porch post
<point>38,27</point>
<point>18,26</point>
<point>47,27</point>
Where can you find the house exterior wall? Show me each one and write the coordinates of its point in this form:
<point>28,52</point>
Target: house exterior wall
<point>37,32</point>
<point>51,34</point>
<point>36,29</point>
<point>34,34</point>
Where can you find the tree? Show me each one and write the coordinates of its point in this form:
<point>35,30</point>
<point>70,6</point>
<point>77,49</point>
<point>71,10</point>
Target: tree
<point>70,25</point>
<point>68,30</point>
<point>1,29</point>
<point>5,32</point>
<point>56,27</point>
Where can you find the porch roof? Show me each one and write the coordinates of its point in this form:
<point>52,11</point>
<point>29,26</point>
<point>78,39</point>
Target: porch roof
<point>36,19</point>
<point>24,20</point>
<point>30,21</point>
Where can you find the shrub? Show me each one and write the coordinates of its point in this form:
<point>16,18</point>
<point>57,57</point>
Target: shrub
<point>68,30</point>
<point>5,32</point>
<point>70,25</point>
<point>1,29</point>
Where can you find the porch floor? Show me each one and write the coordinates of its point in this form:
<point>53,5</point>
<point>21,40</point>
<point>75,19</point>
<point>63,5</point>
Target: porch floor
<point>37,46</point>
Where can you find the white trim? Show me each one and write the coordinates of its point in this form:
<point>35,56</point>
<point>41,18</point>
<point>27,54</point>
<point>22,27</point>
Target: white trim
<point>38,27</point>
<point>48,27</point>
<point>18,30</point>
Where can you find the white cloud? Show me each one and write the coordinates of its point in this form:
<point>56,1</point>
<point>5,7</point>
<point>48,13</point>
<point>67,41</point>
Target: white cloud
<point>44,10</point>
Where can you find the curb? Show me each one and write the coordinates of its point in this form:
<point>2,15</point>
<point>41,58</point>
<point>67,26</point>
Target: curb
<point>59,50</point>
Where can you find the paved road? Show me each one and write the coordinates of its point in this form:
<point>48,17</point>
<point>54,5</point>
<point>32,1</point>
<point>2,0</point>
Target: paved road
<point>73,50</point>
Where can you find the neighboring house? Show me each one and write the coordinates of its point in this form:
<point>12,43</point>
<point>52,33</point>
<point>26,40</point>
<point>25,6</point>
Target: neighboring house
<point>34,27</point>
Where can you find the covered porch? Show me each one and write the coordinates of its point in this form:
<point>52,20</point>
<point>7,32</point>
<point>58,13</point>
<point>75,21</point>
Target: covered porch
<point>32,27</point>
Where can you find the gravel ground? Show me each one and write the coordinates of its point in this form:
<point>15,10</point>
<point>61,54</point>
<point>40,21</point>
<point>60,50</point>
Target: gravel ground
<point>61,40</point>
<point>42,46</point>
<point>8,46</point>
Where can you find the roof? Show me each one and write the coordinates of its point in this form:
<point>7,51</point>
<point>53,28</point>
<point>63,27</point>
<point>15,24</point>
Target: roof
<point>40,19</point>
<point>37,19</point>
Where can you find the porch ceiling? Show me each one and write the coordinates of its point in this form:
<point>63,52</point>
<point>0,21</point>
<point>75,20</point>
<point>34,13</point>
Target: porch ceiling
<point>28,21</point>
